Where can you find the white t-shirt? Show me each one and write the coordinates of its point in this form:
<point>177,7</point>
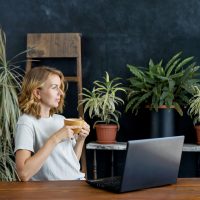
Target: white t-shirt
<point>31,134</point>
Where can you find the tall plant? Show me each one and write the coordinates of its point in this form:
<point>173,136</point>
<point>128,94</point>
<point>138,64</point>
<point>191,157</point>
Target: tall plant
<point>9,110</point>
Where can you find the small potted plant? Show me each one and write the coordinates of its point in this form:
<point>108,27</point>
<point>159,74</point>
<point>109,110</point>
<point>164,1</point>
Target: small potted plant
<point>163,88</point>
<point>101,103</point>
<point>194,111</point>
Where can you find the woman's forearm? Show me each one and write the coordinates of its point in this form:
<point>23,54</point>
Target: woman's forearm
<point>79,147</point>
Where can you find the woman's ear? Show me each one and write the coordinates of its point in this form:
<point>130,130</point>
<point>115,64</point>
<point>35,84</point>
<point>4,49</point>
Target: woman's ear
<point>36,93</point>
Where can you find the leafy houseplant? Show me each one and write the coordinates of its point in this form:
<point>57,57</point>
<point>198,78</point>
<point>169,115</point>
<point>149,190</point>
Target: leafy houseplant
<point>9,111</point>
<point>194,111</point>
<point>161,84</point>
<point>101,103</point>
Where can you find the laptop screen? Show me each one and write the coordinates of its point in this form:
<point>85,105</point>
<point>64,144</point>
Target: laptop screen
<point>152,162</point>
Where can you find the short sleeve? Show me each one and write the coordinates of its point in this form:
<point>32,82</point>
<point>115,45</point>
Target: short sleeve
<point>24,138</point>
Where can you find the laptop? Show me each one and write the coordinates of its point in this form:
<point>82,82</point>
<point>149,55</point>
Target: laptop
<point>149,163</point>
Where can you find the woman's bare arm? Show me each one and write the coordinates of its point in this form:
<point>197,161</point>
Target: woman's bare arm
<point>28,165</point>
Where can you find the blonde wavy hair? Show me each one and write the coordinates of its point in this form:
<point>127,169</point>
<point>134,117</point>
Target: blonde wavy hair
<point>34,79</point>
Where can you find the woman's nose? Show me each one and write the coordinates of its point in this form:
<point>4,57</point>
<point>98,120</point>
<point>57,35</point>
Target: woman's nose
<point>61,92</point>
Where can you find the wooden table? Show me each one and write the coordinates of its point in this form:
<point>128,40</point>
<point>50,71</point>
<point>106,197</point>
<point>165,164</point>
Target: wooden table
<point>185,189</point>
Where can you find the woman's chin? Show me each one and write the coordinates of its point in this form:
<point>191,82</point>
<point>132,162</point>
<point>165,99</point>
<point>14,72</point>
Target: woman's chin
<point>55,105</point>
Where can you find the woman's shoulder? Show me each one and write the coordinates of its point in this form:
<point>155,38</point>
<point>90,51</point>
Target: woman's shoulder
<point>57,116</point>
<point>29,119</point>
<point>24,119</point>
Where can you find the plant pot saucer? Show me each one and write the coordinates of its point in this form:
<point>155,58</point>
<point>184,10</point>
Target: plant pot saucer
<point>106,142</point>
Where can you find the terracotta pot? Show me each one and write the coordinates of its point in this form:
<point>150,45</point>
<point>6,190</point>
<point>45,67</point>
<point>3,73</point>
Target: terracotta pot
<point>197,128</point>
<point>160,107</point>
<point>106,133</point>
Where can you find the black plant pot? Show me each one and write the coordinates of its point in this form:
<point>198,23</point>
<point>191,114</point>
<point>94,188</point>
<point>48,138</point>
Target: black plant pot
<point>162,123</point>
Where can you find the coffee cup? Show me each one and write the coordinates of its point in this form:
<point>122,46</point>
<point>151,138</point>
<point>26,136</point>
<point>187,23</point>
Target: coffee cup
<point>74,122</point>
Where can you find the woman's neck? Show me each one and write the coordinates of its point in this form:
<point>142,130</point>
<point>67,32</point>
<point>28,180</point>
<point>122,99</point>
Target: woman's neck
<point>45,112</point>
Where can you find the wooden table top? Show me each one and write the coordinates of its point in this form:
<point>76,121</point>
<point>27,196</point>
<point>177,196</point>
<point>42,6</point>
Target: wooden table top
<point>185,189</point>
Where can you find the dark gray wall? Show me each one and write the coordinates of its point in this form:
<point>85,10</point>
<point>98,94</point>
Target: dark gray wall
<point>114,33</point>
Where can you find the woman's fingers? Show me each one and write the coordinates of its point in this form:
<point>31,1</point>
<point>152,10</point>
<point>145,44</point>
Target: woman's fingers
<point>86,126</point>
<point>84,131</point>
<point>69,133</point>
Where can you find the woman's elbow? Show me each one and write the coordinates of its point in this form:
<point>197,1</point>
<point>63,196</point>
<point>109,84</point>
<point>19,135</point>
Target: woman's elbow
<point>23,176</point>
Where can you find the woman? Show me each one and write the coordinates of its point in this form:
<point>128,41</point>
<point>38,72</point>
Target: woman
<point>45,148</point>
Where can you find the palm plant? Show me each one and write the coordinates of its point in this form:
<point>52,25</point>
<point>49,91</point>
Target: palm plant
<point>157,85</point>
<point>9,110</point>
<point>101,102</point>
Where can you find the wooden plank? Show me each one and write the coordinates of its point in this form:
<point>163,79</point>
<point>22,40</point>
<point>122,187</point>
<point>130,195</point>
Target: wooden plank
<point>71,78</point>
<point>191,148</point>
<point>116,146</point>
<point>184,189</point>
<point>28,64</point>
<point>56,45</point>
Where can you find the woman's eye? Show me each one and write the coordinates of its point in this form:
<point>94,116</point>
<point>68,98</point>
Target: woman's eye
<point>55,87</point>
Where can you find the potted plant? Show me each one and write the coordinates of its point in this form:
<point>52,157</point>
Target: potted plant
<point>9,110</point>
<point>162,86</point>
<point>101,103</point>
<point>194,111</point>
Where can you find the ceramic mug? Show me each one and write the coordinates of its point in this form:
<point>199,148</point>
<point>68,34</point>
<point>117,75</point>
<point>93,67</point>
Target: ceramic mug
<point>74,122</point>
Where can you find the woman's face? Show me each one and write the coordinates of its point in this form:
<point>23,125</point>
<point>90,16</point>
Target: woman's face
<point>50,93</point>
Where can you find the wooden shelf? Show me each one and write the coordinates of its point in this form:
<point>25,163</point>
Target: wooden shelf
<point>71,78</point>
<point>191,148</point>
<point>122,146</point>
<point>116,146</point>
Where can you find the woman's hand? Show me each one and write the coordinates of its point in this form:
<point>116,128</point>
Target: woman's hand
<point>64,133</point>
<point>85,130</point>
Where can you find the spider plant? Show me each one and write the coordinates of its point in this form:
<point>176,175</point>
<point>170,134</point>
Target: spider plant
<point>194,106</point>
<point>9,110</point>
<point>101,102</point>
<point>159,84</point>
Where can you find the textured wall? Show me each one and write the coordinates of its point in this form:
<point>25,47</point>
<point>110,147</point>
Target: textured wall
<point>114,33</point>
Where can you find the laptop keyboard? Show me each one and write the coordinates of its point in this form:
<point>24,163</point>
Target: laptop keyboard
<point>111,183</point>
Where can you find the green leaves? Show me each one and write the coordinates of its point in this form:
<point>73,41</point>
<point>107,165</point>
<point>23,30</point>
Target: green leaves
<point>102,101</point>
<point>159,84</point>
<point>194,105</point>
<point>9,111</point>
